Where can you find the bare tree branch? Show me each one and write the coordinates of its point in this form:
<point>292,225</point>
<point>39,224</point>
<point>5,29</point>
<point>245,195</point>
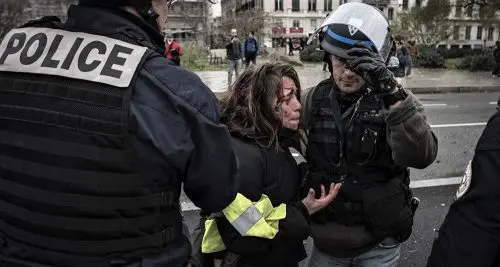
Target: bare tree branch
<point>429,24</point>
<point>246,21</point>
<point>11,14</point>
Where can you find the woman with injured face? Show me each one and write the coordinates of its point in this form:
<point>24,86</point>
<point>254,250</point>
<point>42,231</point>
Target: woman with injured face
<point>262,113</point>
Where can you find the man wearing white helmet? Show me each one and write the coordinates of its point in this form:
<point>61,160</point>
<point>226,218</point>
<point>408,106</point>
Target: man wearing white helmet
<point>361,128</point>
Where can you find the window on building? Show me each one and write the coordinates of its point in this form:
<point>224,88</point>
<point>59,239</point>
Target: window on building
<point>314,23</point>
<point>490,33</point>
<point>390,13</point>
<point>278,22</point>
<point>278,5</point>
<point>479,34</point>
<point>469,11</point>
<point>311,6</point>
<point>456,32</point>
<point>458,9</point>
<point>405,4</point>
<point>467,32</point>
<point>329,5</point>
<point>418,3</point>
<point>296,5</point>
<point>296,23</point>
<point>481,11</point>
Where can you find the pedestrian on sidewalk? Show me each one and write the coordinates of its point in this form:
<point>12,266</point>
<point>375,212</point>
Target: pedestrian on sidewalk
<point>363,129</point>
<point>234,52</point>
<point>496,57</point>
<point>173,50</point>
<point>413,49</point>
<point>470,233</point>
<point>251,49</point>
<point>262,112</point>
<point>98,134</point>
<point>290,47</point>
<point>403,55</point>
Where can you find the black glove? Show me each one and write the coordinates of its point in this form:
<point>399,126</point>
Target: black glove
<point>371,67</point>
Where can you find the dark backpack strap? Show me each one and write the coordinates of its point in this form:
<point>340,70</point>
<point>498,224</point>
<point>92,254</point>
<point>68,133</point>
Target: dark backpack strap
<point>305,117</point>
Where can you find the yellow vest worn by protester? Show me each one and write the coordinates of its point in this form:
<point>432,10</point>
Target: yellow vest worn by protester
<point>256,219</point>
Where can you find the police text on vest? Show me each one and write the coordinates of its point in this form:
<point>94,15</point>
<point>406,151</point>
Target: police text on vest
<point>70,54</point>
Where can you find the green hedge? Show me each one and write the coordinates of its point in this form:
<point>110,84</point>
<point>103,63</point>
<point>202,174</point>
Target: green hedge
<point>478,62</point>
<point>311,54</point>
<point>429,58</point>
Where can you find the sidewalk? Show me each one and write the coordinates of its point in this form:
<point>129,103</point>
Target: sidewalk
<point>422,80</point>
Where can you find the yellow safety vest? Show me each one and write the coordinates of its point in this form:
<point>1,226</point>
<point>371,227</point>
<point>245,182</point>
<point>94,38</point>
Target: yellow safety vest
<point>257,219</point>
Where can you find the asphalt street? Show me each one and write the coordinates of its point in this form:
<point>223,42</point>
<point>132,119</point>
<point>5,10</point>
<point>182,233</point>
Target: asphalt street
<point>457,120</point>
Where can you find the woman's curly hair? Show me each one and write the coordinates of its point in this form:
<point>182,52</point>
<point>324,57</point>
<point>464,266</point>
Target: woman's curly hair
<point>250,108</point>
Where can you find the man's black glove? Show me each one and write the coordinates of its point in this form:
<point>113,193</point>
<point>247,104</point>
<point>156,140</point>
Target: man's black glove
<point>371,67</point>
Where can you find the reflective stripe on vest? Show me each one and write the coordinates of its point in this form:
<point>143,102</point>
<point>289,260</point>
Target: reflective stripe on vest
<point>259,219</point>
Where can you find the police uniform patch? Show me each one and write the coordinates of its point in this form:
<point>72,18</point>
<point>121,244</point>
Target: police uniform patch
<point>466,182</point>
<point>70,54</point>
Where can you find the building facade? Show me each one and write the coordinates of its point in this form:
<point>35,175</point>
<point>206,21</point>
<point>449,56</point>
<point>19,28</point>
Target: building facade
<point>468,31</point>
<point>41,8</point>
<point>188,21</point>
<point>388,7</point>
<point>297,19</point>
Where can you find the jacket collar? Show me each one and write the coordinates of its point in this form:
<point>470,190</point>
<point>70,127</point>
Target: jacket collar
<point>108,21</point>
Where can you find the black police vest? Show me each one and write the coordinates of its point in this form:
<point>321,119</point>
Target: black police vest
<point>70,180</point>
<point>360,161</point>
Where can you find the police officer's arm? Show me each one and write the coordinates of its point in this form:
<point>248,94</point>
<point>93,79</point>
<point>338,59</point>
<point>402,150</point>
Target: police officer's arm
<point>408,130</point>
<point>470,234</point>
<point>189,134</point>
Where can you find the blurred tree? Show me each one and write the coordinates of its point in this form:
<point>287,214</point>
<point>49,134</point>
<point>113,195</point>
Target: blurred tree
<point>429,24</point>
<point>11,14</point>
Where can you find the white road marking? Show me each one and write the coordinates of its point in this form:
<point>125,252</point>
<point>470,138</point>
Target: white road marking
<point>493,103</point>
<point>435,105</point>
<point>189,206</point>
<point>436,182</point>
<point>458,125</point>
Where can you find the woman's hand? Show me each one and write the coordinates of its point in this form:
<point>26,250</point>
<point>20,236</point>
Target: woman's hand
<point>315,204</point>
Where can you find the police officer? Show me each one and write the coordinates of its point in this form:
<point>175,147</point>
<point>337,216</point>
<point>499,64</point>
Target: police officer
<point>470,234</point>
<point>364,130</point>
<point>97,133</point>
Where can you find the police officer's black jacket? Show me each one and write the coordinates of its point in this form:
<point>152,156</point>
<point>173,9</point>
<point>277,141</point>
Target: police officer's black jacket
<point>369,152</point>
<point>91,164</point>
<point>275,174</point>
<point>470,234</point>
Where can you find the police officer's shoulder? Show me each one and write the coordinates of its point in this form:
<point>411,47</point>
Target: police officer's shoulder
<point>490,139</point>
<point>489,143</point>
<point>185,85</point>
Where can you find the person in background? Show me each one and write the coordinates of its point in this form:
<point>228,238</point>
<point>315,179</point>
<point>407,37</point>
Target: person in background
<point>173,50</point>
<point>496,57</point>
<point>234,52</point>
<point>413,49</point>
<point>403,55</point>
<point>251,49</point>
<point>290,47</point>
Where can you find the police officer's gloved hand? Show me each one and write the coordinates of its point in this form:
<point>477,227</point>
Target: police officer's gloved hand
<point>371,67</point>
